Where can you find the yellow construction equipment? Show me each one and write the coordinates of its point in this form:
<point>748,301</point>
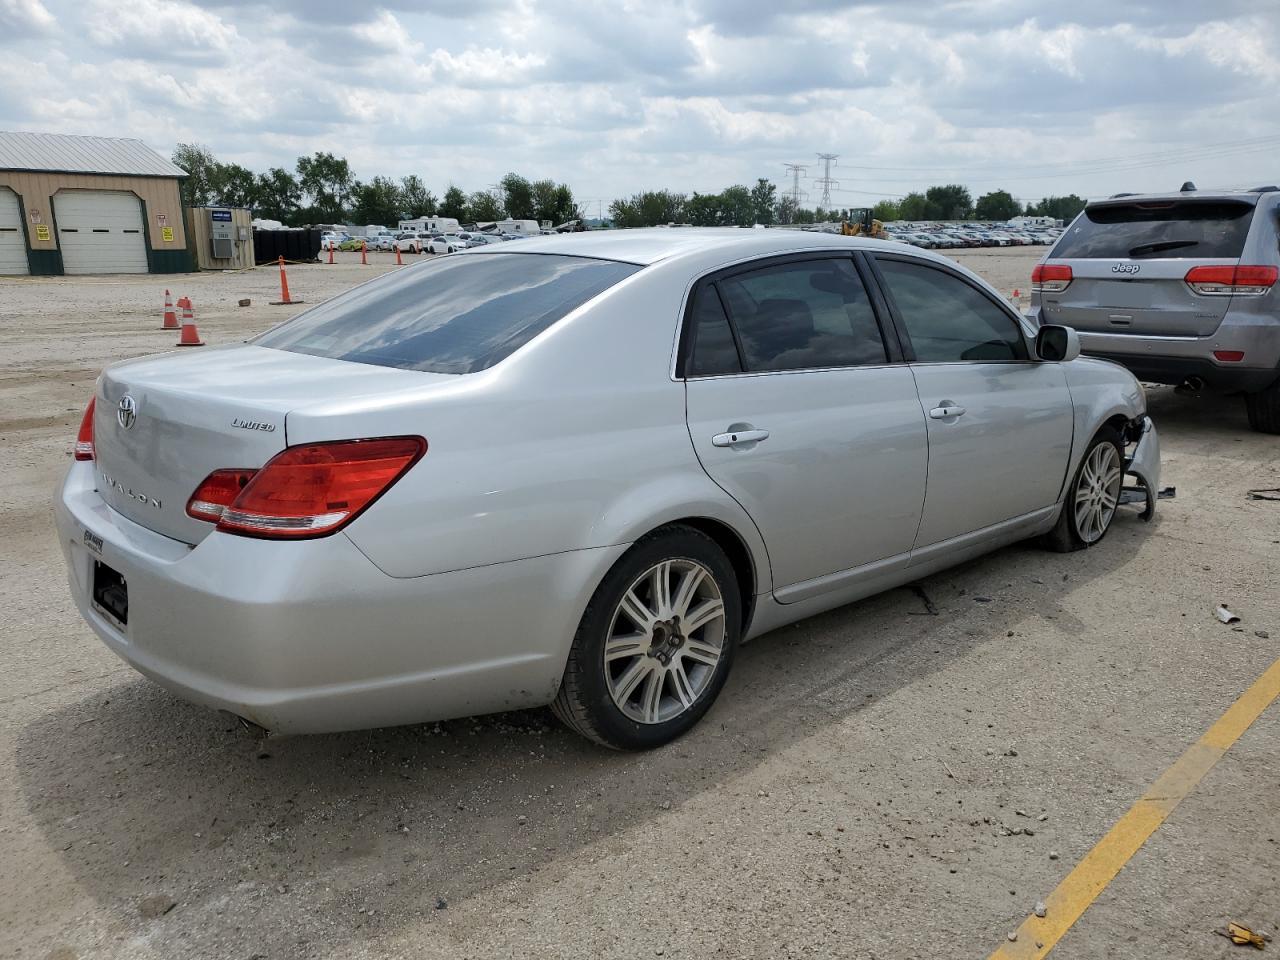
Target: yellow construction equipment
<point>866,227</point>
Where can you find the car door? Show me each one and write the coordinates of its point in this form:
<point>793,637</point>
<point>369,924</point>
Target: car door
<point>1000,422</point>
<point>798,409</point>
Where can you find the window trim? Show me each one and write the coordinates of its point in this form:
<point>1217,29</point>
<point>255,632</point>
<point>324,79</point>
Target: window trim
<point>901,327</point>
<point>684,339</point>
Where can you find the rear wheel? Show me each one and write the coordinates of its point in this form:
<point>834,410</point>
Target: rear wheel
<point>1091,501</point>
<point>655,644</point>
<point>1263,408</point>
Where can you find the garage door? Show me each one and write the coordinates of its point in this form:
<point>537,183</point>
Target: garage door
<point>100,231</point>
<point>13,246</point>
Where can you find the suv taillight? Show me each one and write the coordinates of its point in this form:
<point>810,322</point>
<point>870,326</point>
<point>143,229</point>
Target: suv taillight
<point>305,491</point>
<point>84,438</point>
<point>1227,280</point>
<point>1050,277</point>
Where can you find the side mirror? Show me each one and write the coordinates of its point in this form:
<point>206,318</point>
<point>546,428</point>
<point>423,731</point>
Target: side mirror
<point>1057,344</point>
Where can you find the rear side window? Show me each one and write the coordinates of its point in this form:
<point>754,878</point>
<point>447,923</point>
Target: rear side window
<point>1178,229</point>
<point>948,321</point>
<point>455,315</point>
<point>804,315</point>
<point>713,351</point>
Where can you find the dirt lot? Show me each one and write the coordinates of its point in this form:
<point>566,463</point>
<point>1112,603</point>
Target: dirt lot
<point>853,794</point>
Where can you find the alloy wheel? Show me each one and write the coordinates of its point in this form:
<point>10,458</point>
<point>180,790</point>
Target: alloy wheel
<point>1098,492</point>
<point>665,639</point>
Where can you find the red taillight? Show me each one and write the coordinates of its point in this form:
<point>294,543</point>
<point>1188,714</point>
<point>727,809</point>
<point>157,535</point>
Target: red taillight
<point>312,490</point>
<point>217,492</point>
<point>84,439</point>
<point>1226,280</point>
<point>1228,356</point>
<point>1050,277</point>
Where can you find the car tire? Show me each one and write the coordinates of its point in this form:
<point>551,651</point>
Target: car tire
<point>634,686</point>
<point>1263,408</point>
<point>1090,504</point>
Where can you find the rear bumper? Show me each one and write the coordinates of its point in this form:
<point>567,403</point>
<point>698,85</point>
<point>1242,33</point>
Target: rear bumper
<point>310,636</point>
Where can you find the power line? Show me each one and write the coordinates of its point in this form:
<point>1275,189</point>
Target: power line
<point>796,171</point>
<point>825,181</point>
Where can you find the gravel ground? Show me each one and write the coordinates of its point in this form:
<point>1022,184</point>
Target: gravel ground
<point>853,794</point>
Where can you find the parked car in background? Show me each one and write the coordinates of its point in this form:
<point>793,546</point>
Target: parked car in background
<point>446,243</point>
<point>410,242</point>
<point>382,241</point>
<point>579,470</point>
<point>1180,288</point>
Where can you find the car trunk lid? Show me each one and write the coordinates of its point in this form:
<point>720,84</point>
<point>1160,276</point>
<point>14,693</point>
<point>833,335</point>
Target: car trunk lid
<point>190,414</point>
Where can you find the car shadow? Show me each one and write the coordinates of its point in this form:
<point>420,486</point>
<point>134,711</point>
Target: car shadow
<point>142,794</point>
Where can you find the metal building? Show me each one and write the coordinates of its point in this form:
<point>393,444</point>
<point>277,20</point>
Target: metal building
<point>71,204</point>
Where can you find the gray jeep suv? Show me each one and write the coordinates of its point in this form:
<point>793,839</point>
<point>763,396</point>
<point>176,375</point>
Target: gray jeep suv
<point>1180,288</point>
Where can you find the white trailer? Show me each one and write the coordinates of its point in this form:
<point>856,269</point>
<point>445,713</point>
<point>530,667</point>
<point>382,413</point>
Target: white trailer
<point>430,225</point>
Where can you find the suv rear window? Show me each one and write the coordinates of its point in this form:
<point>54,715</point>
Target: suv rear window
<point>1178,229</point>
<point>455,315</point>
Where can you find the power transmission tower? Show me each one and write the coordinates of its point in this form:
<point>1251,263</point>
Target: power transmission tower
<point>825,181</point>
<point>796,171</point>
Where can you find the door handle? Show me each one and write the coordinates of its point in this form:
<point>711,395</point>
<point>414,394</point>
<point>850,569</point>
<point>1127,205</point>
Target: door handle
<point>739,437</point>
<point>947,411</point>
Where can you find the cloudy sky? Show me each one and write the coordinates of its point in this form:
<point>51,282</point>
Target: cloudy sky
<point>1091,96</point>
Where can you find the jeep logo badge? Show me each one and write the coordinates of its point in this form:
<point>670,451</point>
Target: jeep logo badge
<point>1130,268</point>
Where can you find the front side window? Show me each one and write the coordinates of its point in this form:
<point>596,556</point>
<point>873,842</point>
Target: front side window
<point>454,315</point>
<point>949,321</point>
<point>803,315</point>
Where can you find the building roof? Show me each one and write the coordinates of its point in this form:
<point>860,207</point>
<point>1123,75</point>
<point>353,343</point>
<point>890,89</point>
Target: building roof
<point>64,153</point>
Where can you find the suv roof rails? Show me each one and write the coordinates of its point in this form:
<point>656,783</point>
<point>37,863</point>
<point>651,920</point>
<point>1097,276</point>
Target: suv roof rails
<point>1116,196</point>
<point>1272,188</point>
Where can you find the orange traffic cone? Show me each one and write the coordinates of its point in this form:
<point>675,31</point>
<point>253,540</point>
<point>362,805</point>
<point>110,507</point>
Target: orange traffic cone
<point>364,252</point>
<point>285,300</point>
<point>170,318</point>
<point>399,262</point>
<point>331,253</point>
<point>189,336</point>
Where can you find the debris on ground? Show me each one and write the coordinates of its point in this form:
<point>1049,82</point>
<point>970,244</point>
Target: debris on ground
<point>1225,615</point>
<point>1041,910</point>
<point>156,906</point>
<point>245,302</point>
<point>1272,493</point>
<point>929,606</point>
<point>1168,493</point>
<point>1239,934</point>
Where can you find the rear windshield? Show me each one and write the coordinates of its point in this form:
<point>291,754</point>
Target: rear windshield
<point>1200,230</point>
<point>456,315</point>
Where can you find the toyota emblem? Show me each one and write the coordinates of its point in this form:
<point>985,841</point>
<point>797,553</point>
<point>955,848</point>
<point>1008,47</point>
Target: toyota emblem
<point>127,411</point>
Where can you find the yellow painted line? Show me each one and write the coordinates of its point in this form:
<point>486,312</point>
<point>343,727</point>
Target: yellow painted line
<point>1038,935</point>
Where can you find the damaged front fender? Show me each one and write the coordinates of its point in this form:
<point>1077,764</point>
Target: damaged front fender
<point>1143,463</point>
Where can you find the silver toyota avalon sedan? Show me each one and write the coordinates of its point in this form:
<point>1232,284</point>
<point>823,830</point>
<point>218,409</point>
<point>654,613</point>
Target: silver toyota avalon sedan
<point>577,470</point>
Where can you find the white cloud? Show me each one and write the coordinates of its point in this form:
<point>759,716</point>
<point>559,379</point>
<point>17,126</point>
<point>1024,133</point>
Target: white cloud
<point>652,93</point>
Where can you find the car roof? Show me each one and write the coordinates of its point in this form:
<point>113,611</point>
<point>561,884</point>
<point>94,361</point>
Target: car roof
<point>649,245</point>
<point>1121,199</point>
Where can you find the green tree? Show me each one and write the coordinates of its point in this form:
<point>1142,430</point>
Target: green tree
<point>327,182</point>
<point>703,209</point>
<point>648,209</point>
<point>737,207</point>
<point>278,195</point>
<point>566,208</point>
<point>198,161</point>
<point>763,201</point>
<point>784,211</point>
<point>454,203</point>
<point>377,202</point>
<point>517,197</point>
<point>483,207</point>
<point>950,202</point>
<point>1060,208</point>
<point>233,185</point>
<point>416,199</point>
<point>914,206</point>
<point>886,210</point>
<point>997,205</point>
